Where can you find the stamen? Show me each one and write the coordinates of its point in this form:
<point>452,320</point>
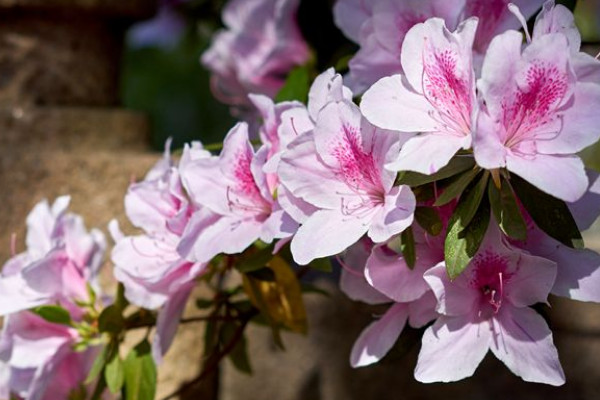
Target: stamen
<point>517,13</point>
<point>294,126</point>
<point>347,268</point>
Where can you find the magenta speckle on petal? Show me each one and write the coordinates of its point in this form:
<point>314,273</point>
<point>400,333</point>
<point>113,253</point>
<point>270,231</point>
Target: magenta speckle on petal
<point>529,113</point>
<point>447,91</point>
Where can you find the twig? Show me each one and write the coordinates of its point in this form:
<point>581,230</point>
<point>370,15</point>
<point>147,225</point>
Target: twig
<point>215,358</point>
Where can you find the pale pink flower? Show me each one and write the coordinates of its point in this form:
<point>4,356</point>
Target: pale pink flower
<point>237,207</point>
<point>435,96</point>
<point>62,257</point>
<point>487,308</point>
<point>338,169</point>
<point>380,26</point>
<point>417,305</point>
<point>578,270</point>
<point>537,113</point>
<point>260,45</point>
<point>148,265</point>
<point>37,359</point>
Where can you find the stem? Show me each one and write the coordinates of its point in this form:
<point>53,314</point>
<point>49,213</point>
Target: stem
<point>213,361</point>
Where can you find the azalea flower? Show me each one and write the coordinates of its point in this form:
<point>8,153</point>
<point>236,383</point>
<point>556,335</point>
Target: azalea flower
<point>379,337</point>
<point>436,96</point>
<point>153,273</point>
<point>578,270</point>
<point>259,46</point>
<point>338,169</point>
<point>236,207</point>
<point>38,359</point>
<point>537,114</point>
<point>379,28</point>
<point>62,257</point>
<point>487,308</point>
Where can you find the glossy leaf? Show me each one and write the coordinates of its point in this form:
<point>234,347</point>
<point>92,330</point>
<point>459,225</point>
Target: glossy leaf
<point>429,219</point>
<point>457,165</point>
<point>456,187</point>
<point>54,314</point>
<point>408,247</point>
<point>321,264</point>
<point>255,260</point>
<point>549,213</point>
<point>466,228</point>
<point>140,373</point>
<point>506,210</point>
<point>239,354</point>
<point>111,320</point>
<point>114,374</point>
<point>296,86</point>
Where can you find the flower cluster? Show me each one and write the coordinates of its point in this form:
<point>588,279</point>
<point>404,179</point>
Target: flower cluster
<point>433,196</point>
<point>260,45</point>
<point>39,359</point>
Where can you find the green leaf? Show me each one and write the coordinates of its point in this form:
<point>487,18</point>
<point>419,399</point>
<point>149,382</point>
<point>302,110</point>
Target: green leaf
<point>471,199</point>
<point>239,353</point>
<point>457,165</point>
<point>429,219</point>
<point>54,314</point>
<point>256,260</point>
<point>456,187</point>
<point>111,319</point>
<point>99,363</point>
<point>114,374</point>
<point>550,214</point>
<point>466,228</point>
<point>506,210</point>
<point>408,247</point>
<point>296,86</point>
<point>321,264</point>
<point>140,373</point>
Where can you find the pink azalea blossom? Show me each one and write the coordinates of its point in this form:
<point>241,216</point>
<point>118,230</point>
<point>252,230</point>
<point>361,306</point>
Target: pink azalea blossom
<point>260,45</point>
<point>417,306</point>
<point>338,169</point>
<point>487,308</point>
<point>435,96</point>
<point>538,112</point>
<point>62,257</point>
<point>578,270</point>
<point>61,260</point>
<point>237,207</point>
<point>148,265</point>
<point>380,26</point>
<point>38,360</point>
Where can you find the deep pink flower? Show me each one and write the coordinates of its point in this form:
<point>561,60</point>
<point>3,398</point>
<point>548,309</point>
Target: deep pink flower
<point>487,308</point>
<point>260,45</point>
